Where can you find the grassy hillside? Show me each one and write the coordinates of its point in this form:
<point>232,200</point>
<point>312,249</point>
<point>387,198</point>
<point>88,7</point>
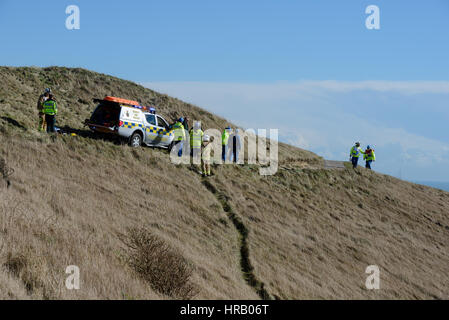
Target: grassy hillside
<point>140,227</point>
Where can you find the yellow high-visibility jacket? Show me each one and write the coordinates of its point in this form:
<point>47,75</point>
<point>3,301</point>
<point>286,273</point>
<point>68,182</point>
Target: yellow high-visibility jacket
<point>355,152</point>
<point>180,134</point>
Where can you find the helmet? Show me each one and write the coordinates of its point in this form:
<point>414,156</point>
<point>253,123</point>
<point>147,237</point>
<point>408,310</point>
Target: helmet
<point>357,144</point>
<point>47,90</point>
<point>181,119</point>
<point>368,147</point>
<point>206,138</point>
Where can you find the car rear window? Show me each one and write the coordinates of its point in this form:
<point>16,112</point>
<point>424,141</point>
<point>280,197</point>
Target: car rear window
<point>106,114</point>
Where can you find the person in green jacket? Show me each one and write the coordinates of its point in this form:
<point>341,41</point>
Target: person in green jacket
<point>224,143</point>
<point>50,110</point>
<point>369,156</point>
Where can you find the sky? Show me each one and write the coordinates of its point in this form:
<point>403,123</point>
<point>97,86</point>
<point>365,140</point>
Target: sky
<point>309,68</point>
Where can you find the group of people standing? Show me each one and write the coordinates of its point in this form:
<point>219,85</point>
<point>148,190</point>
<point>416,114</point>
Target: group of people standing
<point>368,155</point>
<point>48,109</point>
<point>201,144</point>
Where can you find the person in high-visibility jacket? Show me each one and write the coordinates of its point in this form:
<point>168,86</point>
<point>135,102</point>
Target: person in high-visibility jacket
<point>354,154</point>
<point>224,143</point>
<point>206,155</point>
<point>369,157</point>
<point>180,135</point>
<point>196,137</point>
<point>50,109</point>
<point>40,105</point>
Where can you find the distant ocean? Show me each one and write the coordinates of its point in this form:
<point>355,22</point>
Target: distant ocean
<point>435,184</point>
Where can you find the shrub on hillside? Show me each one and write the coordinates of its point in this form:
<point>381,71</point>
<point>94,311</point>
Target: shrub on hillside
<point>162,267</point>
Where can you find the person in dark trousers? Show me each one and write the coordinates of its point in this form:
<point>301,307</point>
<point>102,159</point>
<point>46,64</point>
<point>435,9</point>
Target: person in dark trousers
<point>224,144</point>
<point>354,154</point>
<point>50,109</point>
<point>180,135</point>
<point>185,124</point>
<point>369,157</point>
<point>235,146</point>
<point>230,149</point>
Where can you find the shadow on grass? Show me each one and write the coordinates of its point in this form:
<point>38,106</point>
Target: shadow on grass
<point>14,123</point>
<point>92,135</point>
<point>79,132</point>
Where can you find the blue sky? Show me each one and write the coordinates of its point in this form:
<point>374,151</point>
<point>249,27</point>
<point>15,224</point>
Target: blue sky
<point>310,68</point>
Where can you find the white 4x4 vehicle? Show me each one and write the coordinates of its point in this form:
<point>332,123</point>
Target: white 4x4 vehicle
<point>131,121</point>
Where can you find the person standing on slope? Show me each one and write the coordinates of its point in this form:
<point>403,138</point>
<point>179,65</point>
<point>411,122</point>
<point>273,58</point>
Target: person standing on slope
<point>230,146</point>
<point>185,124</point>
<point>206,155</point>
<point>40,105</point>
<point>354,154</point>
<point>235,146</point>
<point>369,157</point>
<point>180,135</point>
<point>224,143</point>
<point>50,109</point>
<point>196,137</point>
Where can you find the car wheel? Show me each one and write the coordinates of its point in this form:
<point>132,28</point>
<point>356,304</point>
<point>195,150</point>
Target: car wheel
<point>136,140</point>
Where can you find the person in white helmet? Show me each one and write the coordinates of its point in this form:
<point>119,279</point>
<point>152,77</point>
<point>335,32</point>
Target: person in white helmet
<point>206,155</point>
<point>354,154</point>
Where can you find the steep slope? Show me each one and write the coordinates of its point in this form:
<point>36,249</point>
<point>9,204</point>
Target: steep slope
<point>306,232</point>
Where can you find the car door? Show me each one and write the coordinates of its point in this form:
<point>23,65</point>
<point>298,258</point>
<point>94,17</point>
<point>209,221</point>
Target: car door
<point>150,129</point>
<point>163,131</point>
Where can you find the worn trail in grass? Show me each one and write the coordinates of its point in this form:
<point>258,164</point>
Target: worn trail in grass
<point>245,261</point>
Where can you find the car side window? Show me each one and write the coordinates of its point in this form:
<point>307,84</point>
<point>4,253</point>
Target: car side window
<point>161,122</point>
<point>151,119</point>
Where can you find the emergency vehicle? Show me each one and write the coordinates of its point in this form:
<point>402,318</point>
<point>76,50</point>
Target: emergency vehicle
<point>139,125</point>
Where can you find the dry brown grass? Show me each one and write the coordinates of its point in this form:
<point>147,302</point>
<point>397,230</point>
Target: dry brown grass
<point>311,232</point>
<point>74,219</point>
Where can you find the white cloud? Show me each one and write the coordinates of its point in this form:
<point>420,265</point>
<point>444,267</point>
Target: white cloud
<point>293,89</point>
<point>403,87</point>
